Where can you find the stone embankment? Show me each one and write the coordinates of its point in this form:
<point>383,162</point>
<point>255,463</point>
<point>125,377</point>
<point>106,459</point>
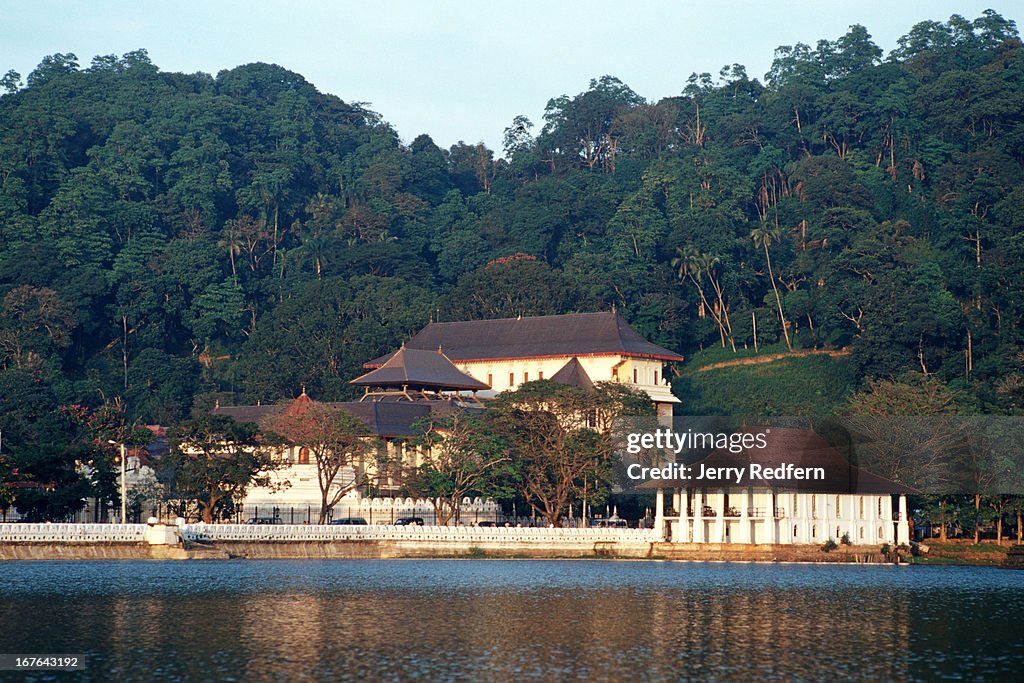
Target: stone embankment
<point>228,541</point>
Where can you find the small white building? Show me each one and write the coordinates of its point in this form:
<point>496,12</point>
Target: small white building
<point>847,502</point>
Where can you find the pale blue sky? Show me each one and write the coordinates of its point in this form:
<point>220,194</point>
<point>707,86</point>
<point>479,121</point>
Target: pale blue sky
<point>459,70</point>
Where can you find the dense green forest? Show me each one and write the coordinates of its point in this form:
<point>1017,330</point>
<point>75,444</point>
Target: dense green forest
<point>175,239</point>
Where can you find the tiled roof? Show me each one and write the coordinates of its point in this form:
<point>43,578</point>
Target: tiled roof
<point>801,448</point>
<point>573,374</point>
<point>577,334</point>
<point>419,368</point>
<point>383,418</point>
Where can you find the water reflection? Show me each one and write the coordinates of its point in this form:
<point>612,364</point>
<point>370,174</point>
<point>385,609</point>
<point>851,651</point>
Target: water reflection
<point>498,620</point>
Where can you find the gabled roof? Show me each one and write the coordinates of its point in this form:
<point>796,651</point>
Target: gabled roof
<point>419,369</point>
<point>573,374</point>
<point>801,448</point>
<point>387,419</point>
<point>550,336</point>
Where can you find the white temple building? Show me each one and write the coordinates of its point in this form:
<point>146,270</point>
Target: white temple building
<point>848,504</point>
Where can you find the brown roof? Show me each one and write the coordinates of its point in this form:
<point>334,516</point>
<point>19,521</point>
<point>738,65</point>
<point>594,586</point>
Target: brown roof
<point>801,448</point>
<point>573,374</point>
<point>383,418</point>
<point>419,369</point>
<point>551,336</point>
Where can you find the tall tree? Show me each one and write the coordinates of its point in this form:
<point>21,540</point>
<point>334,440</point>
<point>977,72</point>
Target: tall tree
<point>338,442</point>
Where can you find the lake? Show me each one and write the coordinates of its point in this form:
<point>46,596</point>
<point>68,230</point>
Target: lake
<point>505,620</point>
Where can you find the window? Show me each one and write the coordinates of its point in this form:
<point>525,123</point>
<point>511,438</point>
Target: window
<point>794,530</point>
<point>511,379</point>
<point>655,376</point>
<point>634,375</point>
<point>862,533</point>
<point>303,456</point>
<point>526,377</point>
<point>615,374</point>
<point>540,374</point>
<point>837,533</point>
<point>490,380</point>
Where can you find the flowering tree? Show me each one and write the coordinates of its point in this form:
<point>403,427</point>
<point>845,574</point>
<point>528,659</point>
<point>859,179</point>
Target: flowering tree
<point>337,441</point>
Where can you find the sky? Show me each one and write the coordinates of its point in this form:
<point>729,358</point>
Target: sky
<point>454,69</point>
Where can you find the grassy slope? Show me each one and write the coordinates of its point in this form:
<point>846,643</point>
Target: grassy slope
<point>810,385</point>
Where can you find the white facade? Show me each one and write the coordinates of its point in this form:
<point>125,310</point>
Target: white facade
<point>760,516</point>
<point>507,374</point>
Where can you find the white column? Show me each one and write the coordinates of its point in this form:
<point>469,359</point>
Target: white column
<point>659,513</point>
<point>682,526</point>
<point>873,530</point>
<point>698,516</point>
<point>788,520</point>
<point>903,533</point>
<point>773,525</point>
<point>804,510</point>
<point>720,518</point>
<point>744,517</point>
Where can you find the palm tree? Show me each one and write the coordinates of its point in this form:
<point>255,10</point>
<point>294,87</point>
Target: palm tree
<point>231,240</point>
<point>765,236</point>
<point>693,265</point>
<point>314,247</point>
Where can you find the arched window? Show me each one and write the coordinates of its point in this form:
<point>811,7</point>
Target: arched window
<point>862,533</point>
<point>880,532</point>
<point>794,530</point>
<point>814,533</point>
<point>837,532</point>
<point>303,456</point>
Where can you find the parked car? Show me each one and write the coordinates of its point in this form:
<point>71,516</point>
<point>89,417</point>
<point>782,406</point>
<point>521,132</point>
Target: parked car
<point>409,521</point>
<point>264,520</point>
<point>356,521</point>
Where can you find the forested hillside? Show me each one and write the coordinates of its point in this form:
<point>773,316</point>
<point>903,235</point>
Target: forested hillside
<point>174,239</point>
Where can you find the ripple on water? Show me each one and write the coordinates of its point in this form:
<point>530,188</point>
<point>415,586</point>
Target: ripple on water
<point>513,620</point>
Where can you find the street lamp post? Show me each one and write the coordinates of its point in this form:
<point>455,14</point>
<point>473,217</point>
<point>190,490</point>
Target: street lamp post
<point>123,491</point>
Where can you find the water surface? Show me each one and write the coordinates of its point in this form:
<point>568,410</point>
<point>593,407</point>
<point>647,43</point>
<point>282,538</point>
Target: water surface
<point>320,620</point>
